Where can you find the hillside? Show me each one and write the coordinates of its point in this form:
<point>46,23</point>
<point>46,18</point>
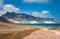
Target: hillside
<point>26,18</point>
<point>2,19</point>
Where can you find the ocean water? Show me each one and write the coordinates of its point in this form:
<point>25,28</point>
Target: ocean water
<point>44,25</point>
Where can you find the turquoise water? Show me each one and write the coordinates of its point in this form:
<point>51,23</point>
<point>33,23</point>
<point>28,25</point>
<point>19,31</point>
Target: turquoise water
<point>48,25</point>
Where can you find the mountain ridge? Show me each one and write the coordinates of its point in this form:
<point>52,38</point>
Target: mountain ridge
<point>25,18</point>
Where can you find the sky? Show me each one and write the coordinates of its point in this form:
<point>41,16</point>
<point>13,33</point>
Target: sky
<point>38,8</point>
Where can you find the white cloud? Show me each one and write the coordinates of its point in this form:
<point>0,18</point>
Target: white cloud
<point>43,14</point>
<point>9,8</point>
<point>1,3</point>
<point>27,13</point>
<point>36,1</point>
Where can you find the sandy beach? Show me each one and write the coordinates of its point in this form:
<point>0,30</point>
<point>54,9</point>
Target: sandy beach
<point>44,34</point>
<point>10,31</point>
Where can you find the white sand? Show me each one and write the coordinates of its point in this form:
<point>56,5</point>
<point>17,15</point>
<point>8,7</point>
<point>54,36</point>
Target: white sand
<point>43,34</point>
<point>57,32</point>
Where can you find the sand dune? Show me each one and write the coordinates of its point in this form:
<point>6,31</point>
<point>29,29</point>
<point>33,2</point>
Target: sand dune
<point>44,34</point>
<point>15,34</point>
<point>10,31</point>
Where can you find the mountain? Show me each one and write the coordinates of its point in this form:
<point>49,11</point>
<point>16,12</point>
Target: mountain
<point>4,20</point>
<point>25,18</point>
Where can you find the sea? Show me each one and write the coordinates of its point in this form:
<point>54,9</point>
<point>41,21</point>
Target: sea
<point>44,25</point>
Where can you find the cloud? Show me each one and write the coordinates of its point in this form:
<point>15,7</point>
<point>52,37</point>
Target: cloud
<point>9,8</point>
<point>1,3</point>
<point>43,14</point>
<point>36,1</point>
